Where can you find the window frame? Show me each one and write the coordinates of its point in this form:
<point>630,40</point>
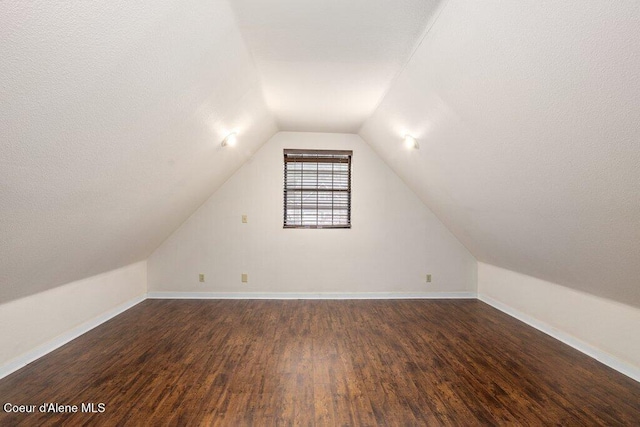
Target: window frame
<point>330,156</point>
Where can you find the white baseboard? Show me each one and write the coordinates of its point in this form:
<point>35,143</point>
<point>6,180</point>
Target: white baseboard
<point>30,356</point>
<point>601,356</point>
<point>312,295</point>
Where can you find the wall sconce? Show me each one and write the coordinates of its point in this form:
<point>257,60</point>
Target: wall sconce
<point>410,142</point>
<point>230,140</point>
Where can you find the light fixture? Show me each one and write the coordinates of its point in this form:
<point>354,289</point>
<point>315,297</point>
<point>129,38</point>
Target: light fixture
<point>230,140</point>
<point>410,142</point>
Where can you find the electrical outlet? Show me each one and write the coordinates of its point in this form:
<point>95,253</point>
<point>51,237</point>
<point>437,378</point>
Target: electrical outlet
<point>201,277</point>
<point>428,278</point>
<point>244,219</point>
<point>245,277</point>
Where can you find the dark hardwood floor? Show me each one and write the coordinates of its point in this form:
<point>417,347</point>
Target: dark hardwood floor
<point>355,362</point>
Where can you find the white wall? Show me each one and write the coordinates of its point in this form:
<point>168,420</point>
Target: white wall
<point>394,240</point>
<point>604,329</point>
<point>32,326</point>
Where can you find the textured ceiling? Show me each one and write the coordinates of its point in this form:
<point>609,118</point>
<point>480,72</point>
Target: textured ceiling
<point>325,65</point>
<point>528,119</point>
<point>527,115</point>
<point>111,117</point>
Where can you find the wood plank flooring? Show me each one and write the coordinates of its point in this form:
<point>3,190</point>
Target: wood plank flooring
<point>319,362</point>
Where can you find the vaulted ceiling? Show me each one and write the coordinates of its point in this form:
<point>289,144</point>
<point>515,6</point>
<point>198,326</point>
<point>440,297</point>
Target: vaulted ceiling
<point>111,119</point>
<point>325,65</point>
<point>527,116</point>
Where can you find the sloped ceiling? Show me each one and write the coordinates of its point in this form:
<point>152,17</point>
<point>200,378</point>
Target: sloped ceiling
<point>111,117</point>
<point>528,120</point>
<point>527,116</point>
<point>326,64</point>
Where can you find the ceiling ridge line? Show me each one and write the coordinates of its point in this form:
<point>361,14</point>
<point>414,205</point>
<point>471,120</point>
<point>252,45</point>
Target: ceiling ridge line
<point>252,57</point>
<point>421,39</point>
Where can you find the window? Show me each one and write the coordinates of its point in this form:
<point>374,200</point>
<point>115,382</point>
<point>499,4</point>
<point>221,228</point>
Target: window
<point>317,189</point>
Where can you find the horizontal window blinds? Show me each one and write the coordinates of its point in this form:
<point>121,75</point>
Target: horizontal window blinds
<point>317,189</point>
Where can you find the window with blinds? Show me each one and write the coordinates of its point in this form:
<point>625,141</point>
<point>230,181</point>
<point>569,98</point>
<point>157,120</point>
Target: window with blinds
<point>317,189</point>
